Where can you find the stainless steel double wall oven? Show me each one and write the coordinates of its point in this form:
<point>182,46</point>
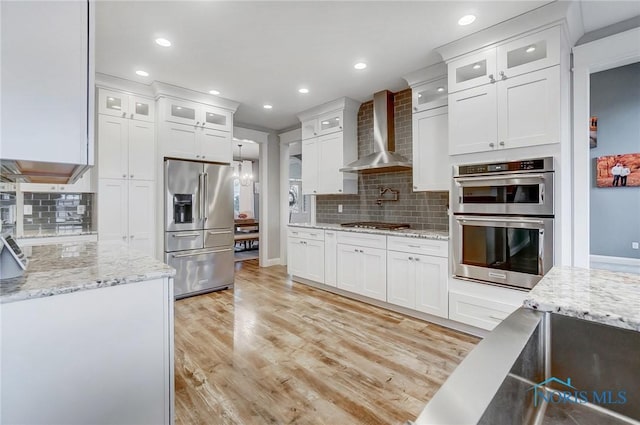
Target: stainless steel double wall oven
<point>503,221</point>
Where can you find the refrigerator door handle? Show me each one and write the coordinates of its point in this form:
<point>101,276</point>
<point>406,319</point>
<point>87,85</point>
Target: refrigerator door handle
<point>205,196</point>
<point>220,232</point>
<point>199,253</point>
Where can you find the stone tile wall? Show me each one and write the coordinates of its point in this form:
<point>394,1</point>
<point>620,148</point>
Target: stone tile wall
<point>423,210</point>
<point>57,213</point>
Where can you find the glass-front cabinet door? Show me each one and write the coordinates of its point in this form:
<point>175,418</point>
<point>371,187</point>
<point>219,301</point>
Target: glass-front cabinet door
<point>430,95</point>
<point>309,129</point>
<point>472,71</point>
<point>113,103</point>
<point>141,109</point>
<point>216,119</point>
<point>182,112</point>
<point>530,53</point>
<point>330,123</point>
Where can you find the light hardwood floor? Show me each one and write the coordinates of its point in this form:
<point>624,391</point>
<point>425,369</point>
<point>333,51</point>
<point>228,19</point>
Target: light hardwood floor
<point>272,351</point>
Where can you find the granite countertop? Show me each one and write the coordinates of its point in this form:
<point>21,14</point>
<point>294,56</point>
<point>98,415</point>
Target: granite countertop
<point>409,233</point>
<point>57,235</point>
<point>602,296</point>
<point>71,267</point>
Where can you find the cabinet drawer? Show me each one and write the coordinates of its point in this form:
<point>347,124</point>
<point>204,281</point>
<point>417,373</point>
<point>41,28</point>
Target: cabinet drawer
<point>362,239</point>
<point>418,246</point>
<point>306,233</point>
<point>480,312</point>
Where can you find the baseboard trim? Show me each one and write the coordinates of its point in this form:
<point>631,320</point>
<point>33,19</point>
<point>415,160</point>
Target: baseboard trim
<point>271,262</point>
<point>615,260</point>
<point>441,321</point>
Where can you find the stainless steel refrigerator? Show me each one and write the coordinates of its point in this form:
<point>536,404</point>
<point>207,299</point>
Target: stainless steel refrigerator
<point>199,226</point>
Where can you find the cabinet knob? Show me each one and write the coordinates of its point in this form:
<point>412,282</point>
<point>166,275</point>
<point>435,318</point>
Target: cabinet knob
<point>491,79</point>
<point>131,236</point>
<point>492,144</point>
<point>410,258</point>
<point>202,156</point>
<point>415,187</point>
<point>131,116</point>
<point>131,175</point>
<point>504,77</point>
<point>501,143</point>
<point>124,238</point>
<point>339,190</point>
<point>202,125</point>
<point>124,115</point>
<point>315,134</point>
<point>417,259</point>
<point>340,127</point>
<point>356,250</point>
<point>314,191</point>
<point>124,176</point>
<point>415,108</point>
<point>197,156</point>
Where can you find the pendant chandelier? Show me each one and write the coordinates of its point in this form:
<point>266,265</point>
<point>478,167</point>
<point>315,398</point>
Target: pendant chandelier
<point>245,177</point>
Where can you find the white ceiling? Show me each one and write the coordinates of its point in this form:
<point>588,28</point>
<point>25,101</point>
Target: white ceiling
<point>263,52</point>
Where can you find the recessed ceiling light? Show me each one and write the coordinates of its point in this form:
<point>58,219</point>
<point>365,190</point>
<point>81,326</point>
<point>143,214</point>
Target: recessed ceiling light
<point>110,98</point>
<point>440,89</point>
<point>325,122</point>
<point>531,49</point>
<point>419,95</point>
<point>360,65</point>
<point>466,20</point>
<point>216,92</point>
<point>267,106</point>
<point>142,73</point>
<point>476,66</point>
<point>163,42</point>
<point>303,90</point>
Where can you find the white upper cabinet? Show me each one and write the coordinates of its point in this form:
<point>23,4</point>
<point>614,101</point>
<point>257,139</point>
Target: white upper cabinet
<point>430,124</point>
<point>47,68</point>
<point>527,54</point>
<point>197,114</point>
<point>431,170</point>
<point>498,63</point>
<point>430,95</point>
<point>192,130</point>
<point>126,148</point>
<point>472,70</point>
<point>506,96</point>
<point>329,143</point>
<point>124,105</point>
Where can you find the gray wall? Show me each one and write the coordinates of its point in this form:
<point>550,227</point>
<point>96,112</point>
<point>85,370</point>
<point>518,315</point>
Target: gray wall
<point>273,182</point>
<point>423,210</point>
<point>615,212</point>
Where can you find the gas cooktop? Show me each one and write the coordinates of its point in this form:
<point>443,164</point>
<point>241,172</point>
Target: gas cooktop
<point>376,225</point>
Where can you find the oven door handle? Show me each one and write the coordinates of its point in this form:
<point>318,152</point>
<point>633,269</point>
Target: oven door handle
<point>481,181</point>
<point>464,219</point>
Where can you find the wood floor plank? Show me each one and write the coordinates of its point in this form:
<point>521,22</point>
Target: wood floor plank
<point>273,351</point>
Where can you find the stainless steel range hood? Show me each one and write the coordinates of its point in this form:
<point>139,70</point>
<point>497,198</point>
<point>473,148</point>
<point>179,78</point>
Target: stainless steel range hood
<point>383,159</point>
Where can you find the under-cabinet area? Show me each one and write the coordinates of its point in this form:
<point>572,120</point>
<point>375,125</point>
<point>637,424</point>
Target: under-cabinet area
<point>409,274</point>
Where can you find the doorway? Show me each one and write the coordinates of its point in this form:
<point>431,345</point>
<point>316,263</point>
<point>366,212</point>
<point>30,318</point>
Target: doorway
<point>246,199</point>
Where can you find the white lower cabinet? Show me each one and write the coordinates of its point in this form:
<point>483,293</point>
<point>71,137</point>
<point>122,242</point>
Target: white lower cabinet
<point>330,258</point>
<point>480,305</point>
<point>125,213</point>
<point>415,280</point>
<point>362,270</point>
<point>306,257</point>
<point>98,356</point>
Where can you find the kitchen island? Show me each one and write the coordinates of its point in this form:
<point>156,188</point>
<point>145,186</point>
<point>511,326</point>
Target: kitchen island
<point>87,337</point>
<point>579,329</point>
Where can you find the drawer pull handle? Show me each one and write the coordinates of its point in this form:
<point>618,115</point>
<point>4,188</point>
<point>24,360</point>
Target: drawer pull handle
<point>497,317</point>
<point>190,235</point>
<point>415,246</point>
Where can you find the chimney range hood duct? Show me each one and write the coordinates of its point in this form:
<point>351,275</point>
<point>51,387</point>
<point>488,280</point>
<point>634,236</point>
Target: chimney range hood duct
<point>383,159</point>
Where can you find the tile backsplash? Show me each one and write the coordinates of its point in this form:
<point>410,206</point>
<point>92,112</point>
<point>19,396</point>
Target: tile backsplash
<point>422,210</point>
<point>58,213</point>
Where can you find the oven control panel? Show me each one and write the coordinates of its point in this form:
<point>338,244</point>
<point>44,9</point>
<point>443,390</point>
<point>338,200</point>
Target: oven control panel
<point>540,164</point>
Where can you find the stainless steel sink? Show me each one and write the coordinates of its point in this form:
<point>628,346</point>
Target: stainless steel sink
<point>544,368</point>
